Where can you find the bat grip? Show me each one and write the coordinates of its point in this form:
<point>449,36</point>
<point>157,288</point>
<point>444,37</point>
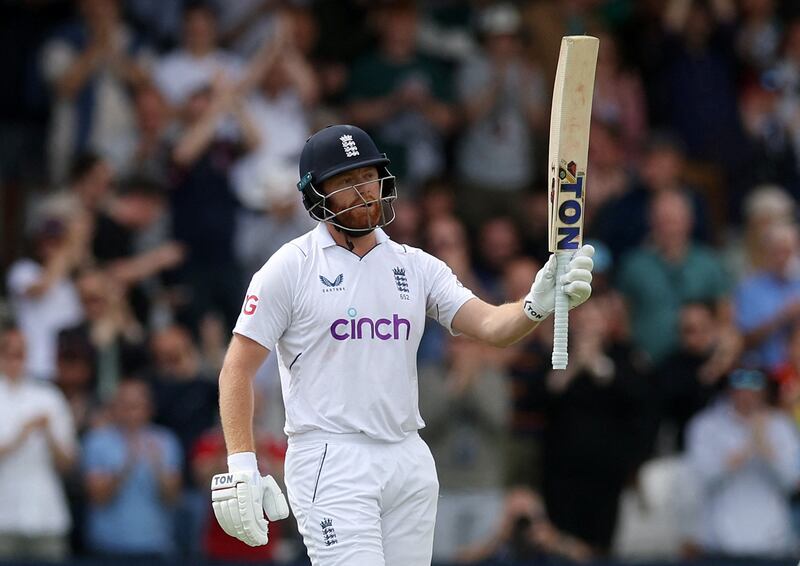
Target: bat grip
<point>561,319</point>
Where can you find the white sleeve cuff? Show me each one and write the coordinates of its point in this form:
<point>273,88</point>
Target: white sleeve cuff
<point>243,462</point>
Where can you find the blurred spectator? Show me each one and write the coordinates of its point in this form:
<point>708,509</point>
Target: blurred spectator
<point>535,226</point>
<point>185,403</point>
<point>446,238</point>
<point>117,244</point>
<point>402,97</point>
<point>42,295</point>
<point>745,455</point>
<point>89,65</point>
<point>37,444</point>
<point>286,90</point>
<point>619,97</point>
<point>765,206</point>
<point>148,154</point>
<point>114,333</point>
<point>696,81</point>
<point>688,379</point>
<point>667,272</point>
<point>132,480</point>
<point>622,224</point>
<point>503,100</point>
<point>768,302</point>
<point>86,192</point>
<point>772,157</point>
<point>524,533</point>
<point>612,175</point>
<point>195,64</point>
<point>202,203</point>
<point>527,363</point>
<point>786,77</point>
<point>466,405</point>
<point>209,457</point>
<point>438,199</point>
<point>758,37</point>
<point>76,378</point>
<point>498,243</point>
<point>406,224</point>
<point>88,187</point>
<point>185,397</point>
<point>276,216</point>
<point>593,438</point>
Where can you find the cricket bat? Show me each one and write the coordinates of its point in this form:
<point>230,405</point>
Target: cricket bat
<point>570,117</point>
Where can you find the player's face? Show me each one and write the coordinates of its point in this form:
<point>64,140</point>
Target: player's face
<point>355,197</point>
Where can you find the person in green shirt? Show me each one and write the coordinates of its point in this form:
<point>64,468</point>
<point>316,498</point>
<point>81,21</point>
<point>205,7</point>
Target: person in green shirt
<point>402,98</point>
<point>666,272</point>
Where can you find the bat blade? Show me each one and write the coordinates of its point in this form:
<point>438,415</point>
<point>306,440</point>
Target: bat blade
<point>570,120</point>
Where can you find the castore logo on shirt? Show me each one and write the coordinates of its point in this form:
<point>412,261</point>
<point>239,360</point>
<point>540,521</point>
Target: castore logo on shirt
<point>330,286</point>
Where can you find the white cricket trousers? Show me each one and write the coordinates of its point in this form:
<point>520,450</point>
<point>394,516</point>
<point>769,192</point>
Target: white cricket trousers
<point>360,501</point>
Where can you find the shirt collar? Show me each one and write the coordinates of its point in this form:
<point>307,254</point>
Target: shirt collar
<point>325,240</point>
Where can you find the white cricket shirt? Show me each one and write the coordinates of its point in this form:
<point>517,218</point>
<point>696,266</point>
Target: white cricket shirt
<point>346,330</point>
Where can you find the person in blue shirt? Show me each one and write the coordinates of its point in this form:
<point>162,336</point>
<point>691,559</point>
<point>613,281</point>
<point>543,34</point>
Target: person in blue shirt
<point>768,302</point>
<point>133,478</point>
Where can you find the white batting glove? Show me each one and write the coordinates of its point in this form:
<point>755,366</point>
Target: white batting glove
<point>540,302</point>
<point>240,499</point>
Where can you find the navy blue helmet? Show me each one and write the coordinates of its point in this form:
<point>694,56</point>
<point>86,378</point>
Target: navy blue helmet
<point>334,150</point>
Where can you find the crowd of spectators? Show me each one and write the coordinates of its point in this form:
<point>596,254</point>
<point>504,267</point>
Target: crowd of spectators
<point>148,165</point>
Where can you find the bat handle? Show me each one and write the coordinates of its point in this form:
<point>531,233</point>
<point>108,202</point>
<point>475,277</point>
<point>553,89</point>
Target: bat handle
<point>561,319</point>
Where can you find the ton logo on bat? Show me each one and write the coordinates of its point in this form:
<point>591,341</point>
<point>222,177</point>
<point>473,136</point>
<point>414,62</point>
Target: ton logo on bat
<point>571,209</point>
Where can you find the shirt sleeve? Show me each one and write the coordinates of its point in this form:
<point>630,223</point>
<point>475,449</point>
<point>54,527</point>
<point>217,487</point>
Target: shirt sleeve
<point>267,309</point>
<point>445,293</point>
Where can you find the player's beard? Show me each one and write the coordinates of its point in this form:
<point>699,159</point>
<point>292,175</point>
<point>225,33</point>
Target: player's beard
<point>362,217</point>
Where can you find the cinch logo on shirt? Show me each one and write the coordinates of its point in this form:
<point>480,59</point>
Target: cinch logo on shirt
<point>365,328</point>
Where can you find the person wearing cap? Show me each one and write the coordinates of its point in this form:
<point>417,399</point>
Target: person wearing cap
<point>344,307</point>
<point>746,459</point>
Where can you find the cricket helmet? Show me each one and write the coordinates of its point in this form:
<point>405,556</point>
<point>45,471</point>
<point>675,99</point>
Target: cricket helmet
<point>334,150</point>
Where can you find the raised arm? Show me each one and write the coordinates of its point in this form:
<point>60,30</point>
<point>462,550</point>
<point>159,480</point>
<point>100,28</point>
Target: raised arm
<point>506,324</point>
<point>496,325</point>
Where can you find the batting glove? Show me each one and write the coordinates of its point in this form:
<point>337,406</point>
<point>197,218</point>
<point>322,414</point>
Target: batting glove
<point>240,499</point>
<point>540,302</point>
